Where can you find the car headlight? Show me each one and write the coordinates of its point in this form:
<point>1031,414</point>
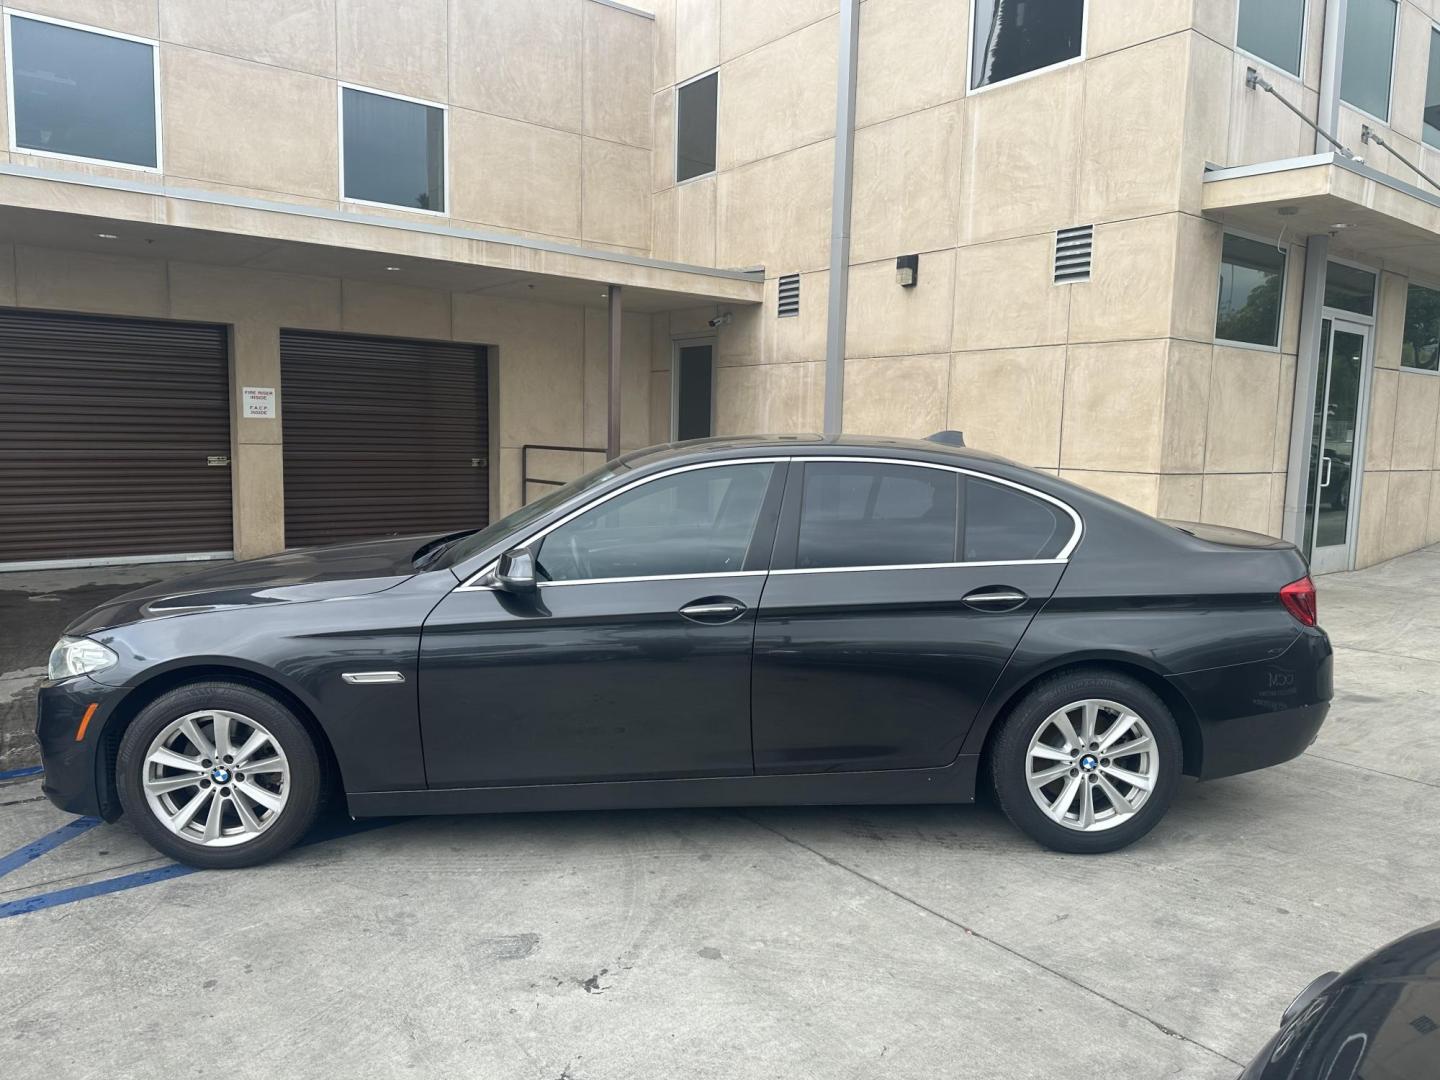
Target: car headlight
<point>79,656</point>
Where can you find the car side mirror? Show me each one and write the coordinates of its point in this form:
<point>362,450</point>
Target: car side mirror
<point>515,572</point>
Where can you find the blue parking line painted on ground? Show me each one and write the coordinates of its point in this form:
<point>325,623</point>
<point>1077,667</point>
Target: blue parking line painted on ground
<point>16,774</point>
<point>57,897</point>
<point>25,905</point>
<point>49,842</point>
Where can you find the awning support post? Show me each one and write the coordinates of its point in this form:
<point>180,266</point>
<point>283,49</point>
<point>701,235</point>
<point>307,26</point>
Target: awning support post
<point>612,423</point>
<point>1302,413</point>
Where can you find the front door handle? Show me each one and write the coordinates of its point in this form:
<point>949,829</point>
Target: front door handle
<point>994,598</point>
<point>713,610</point>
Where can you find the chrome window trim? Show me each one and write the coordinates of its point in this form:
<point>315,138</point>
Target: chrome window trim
<point>914,566</point>
<point>477,581</point>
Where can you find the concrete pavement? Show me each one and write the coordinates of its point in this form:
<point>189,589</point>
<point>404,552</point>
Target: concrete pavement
<point>844,942</point>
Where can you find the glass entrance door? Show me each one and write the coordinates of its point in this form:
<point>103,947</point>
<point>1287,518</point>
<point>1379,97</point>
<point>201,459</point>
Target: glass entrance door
<point>1334,447</point>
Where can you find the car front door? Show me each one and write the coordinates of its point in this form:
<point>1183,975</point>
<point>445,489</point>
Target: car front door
<point>630,660</point>
<point>897,594</point>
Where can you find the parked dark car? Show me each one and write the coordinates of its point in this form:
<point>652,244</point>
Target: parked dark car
<point>1379,1020</point>
<point>734,621</point>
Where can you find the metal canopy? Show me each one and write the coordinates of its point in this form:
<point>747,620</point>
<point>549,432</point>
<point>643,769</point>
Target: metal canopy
<point>1370,216</point>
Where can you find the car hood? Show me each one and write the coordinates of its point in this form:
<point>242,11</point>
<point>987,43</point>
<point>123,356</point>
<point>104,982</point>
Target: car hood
<point>307,574</point>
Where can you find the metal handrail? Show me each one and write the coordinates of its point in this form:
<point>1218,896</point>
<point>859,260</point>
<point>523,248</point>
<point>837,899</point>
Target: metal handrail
<point>526,479</point>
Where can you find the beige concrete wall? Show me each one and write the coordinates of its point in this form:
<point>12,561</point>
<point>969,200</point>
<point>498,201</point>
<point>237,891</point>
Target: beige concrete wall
<point>549,102</point>
<point>550,359</point>
<point>1400,496</point>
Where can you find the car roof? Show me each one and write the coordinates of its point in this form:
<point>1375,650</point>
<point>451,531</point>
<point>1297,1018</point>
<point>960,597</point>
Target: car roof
<point>805,444</point>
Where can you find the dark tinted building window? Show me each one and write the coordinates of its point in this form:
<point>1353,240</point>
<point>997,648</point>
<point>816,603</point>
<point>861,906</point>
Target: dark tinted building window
<point>1003,524</point>
<point>695,522</point>
<point>1349,288</point>
<point>394,150</point>
<point>1252,282</point>
<point>1273,31</point>
<point>1369,54</point>
<point>861,514</point>
<point>694,374</point>
<point>1430,125</point>
<point>1011,37</point>
<point>1421,347</point>
<point>695,127</point>
<point>84,94</point>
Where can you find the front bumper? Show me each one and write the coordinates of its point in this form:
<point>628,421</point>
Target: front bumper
<point>78,771</point>
<point>1252,716</point>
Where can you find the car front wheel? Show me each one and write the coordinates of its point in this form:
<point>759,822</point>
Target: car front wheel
<point>1087,762</point>
<point>218,775</point>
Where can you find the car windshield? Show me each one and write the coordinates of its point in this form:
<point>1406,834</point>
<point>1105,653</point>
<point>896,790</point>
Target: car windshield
<point>517,520</point>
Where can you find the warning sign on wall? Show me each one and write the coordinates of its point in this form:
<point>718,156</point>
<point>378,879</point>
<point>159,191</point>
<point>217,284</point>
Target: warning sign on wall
<point>258,402</point>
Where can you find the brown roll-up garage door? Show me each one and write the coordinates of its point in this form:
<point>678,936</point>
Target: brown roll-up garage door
<point>383,437</point>
<point>107,428</point>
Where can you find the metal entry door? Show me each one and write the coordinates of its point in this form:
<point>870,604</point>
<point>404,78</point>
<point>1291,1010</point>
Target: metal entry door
<point>1330,519</point>
<point>114,439</point>
<point>383,437</point>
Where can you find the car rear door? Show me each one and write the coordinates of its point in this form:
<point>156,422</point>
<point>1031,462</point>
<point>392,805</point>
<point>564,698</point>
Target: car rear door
<point>632,658</point>
<point>898,591</point>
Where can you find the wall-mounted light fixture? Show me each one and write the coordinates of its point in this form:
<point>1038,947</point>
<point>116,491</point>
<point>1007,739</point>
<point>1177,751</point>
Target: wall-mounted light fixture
<point>907,271</point>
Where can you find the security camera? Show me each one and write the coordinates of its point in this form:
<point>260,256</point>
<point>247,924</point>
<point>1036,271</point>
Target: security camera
<point>722,320</point>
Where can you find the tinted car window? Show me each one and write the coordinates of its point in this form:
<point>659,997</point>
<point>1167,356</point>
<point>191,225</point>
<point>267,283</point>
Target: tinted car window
<point>696,522</point>
<point>855,514</point>
<point>1003,524</point>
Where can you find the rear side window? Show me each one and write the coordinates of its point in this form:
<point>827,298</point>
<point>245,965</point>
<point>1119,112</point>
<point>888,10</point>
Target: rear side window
<point>862,514</point>
<point>1003,524</point>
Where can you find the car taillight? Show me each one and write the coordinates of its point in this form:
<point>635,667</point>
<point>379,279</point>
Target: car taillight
<point>1299,599</point>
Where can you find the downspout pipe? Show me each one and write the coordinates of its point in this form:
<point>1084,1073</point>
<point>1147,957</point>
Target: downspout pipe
<point>841,197</point>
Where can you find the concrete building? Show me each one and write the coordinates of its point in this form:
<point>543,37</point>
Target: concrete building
<point>286,271</point>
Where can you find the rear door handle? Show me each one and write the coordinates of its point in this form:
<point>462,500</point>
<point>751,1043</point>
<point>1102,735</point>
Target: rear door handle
<point>994,598</point>
<point>713,610</point>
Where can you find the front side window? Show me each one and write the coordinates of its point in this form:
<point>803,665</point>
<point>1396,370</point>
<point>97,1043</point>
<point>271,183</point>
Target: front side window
<point>864,514</point>
<point>1013,37</point>
<point>1430,125</point>
<point>1252,281</point>
<point>1273,30</point>
<point>393,150</point>
<point>1421,347</point>
<point>82,93</point>
<point>695,105</point>
<point>1006,525</point>
<point>697,522</point>
<point>1369,53</point>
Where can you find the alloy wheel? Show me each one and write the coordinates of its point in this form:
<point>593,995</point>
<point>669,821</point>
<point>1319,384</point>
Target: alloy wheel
<point>1092,764</point>
<point>216,778</point>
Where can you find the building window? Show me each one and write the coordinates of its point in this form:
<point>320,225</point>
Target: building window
<point>695,104</point>
<point>1014,37</point>
<point>1252,284</point>
<point>1273,30</point>
<point>1421,348</point>
<point>1349,288</point>
<point>81,93</point>
<point>1369,55</point>
<point>393,150</point>
<point>1430,127</point>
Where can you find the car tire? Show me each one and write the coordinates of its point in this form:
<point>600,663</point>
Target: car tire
<point>1034,744</point>
<point>172,767</point>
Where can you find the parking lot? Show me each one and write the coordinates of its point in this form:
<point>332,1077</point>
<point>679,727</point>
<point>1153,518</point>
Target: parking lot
<point>844,942</point>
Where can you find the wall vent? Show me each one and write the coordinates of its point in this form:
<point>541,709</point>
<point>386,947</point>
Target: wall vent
<point>1072,254</point>
<point>789,305</point>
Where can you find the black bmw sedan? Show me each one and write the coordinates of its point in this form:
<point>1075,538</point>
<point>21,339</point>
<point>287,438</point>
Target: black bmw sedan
<point>729,622</point>
<point>1379,1020</point>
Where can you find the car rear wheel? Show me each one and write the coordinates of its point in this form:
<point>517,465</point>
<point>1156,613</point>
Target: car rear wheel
<point>1087,762</point>
<point>218,775</point>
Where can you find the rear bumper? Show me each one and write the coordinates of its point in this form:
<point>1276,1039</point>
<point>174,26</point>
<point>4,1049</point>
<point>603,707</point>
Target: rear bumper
<point>74,778</point>
<point>1252,716</point>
